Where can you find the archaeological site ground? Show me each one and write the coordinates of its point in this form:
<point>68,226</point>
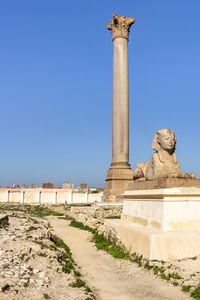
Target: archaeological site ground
<point>139,239</point>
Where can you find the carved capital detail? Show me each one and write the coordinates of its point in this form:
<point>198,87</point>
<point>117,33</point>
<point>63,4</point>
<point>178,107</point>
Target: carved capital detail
<point>120,26</point>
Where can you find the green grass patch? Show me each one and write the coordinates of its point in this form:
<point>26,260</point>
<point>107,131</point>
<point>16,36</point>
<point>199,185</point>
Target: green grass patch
<point>113,217</point>
<point>4,224</point>
<point>34,210</point>
<point>78,283</point>
<point>81,226</point>
<point>64,258</point>
<point>77,274</point>
<point>67,218</point>
<point>104,244</point>
<point>46,296</point>
<point>101,242</point>
<point>147,266</point>
<point>186,288</point>
<point>158,270</point>
<point>196,293</point>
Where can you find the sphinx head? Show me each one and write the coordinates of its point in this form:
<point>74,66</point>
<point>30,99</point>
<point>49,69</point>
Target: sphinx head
<point>164,139</point>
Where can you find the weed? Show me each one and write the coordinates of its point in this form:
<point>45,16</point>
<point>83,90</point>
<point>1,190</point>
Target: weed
<point>196,293</point>
<point>169,267</point>
<point>46,296</point>
<point>42,254</point>
<point>147,266</point>
<point>32,228</point>
<point>26,284</point>
<point>164,276</point>
<point>37,210</point>
<point>67,218</point>
<point>104,244</point>
<point>101,242</point>
<point>158,270</point>
<point>4,224</point>
<point>77,274</point>
<point>78,283</point>
<point>65,258</point>
<point>22,256</point>
<point>81,226</point>
<point>113,217</point>
<point>175,283</point>
<point>175,276</point>
<point>186,288</point>
<point>87,289</point>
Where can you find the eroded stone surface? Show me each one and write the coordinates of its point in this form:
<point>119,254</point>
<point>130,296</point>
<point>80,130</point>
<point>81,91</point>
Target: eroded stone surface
<point>120,26</point>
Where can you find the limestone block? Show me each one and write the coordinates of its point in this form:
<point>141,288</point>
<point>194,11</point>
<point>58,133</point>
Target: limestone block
<point>162,224</point>
<point>173,209</point>
<point>154,244</point>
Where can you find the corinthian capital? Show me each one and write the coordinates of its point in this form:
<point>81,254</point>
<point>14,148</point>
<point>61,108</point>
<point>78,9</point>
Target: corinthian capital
<point>120,26</point>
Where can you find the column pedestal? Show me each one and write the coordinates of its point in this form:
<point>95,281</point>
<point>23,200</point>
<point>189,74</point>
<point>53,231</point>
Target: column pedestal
<point>117,181</point>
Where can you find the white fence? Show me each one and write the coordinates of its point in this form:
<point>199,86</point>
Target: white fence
<point>47,196</point>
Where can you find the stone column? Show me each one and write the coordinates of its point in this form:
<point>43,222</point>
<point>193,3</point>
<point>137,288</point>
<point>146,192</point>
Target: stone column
<point>55,198</point>
<point>7,196</point>
<point>38,197</point>
<point>120,173</point>
<point>22,197</point>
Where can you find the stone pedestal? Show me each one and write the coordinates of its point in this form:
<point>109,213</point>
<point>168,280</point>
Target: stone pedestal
<point>162,224</point>
<point>120,173</point>
<point>117,181</point>
<point>163,183</point>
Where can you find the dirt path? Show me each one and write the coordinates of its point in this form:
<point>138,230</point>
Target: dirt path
<point>110,278</point>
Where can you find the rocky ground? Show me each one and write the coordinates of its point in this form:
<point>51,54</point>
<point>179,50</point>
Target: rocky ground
<point>35,264</point>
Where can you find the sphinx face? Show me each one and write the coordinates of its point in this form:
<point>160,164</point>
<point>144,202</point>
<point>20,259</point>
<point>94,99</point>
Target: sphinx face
<point>167,141</point>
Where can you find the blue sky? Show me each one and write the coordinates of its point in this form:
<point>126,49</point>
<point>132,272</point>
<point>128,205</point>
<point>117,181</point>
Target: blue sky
<point>56,86</point>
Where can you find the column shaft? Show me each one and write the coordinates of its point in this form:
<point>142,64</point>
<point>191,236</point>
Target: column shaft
<point>120,114</point>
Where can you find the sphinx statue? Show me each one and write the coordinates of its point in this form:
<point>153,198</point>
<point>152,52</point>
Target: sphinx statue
<point>164,163</point>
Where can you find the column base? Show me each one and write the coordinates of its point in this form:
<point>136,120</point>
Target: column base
<point>118,178</point>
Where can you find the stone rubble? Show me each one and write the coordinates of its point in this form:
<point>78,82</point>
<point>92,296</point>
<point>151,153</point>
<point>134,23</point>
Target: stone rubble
<point>29,264</point>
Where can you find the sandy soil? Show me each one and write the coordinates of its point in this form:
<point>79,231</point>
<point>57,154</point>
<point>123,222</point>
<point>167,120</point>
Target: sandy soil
<point>110,278</point>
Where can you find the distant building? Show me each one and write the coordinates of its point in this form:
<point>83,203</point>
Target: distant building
<point>16,186</point>
<point>96,190</point>
<point>33,186</point>
<point>83,186</point>
<point>48,185</point>
<point>24,186</point>
<point>99,190</point>
<point>68,185</point>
